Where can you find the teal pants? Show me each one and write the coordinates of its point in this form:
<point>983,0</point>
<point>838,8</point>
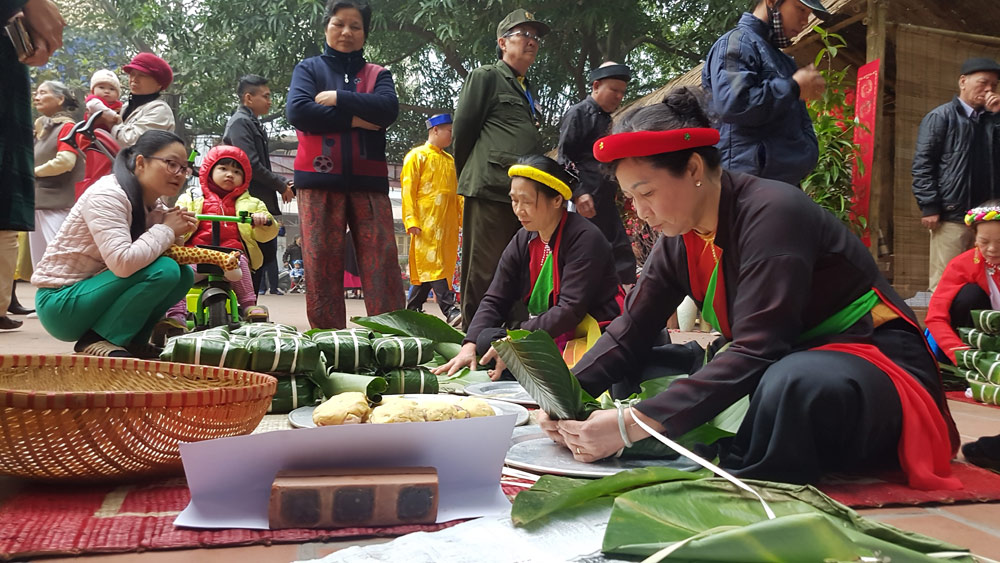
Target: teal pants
<point>120,310</point>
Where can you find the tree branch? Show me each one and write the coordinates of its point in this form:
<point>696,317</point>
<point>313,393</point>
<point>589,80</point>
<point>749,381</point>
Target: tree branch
<point>451,56</point>
<point>693,57</point>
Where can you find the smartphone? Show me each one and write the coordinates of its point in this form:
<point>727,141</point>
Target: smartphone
<point>19,37</point>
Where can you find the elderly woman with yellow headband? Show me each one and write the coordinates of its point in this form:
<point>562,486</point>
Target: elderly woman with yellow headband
<point>836,368</point>
<point>558,264</point>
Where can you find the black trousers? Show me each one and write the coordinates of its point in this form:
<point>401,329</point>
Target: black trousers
<point>610,222</point>
<point>442,292</point>
<point>488,226</point>
<point>969,298</point>
<point>267,274</point>
<point>816,412</point>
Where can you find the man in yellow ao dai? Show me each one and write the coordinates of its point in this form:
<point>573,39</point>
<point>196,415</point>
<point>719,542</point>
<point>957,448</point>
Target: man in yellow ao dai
<point>432,215</point>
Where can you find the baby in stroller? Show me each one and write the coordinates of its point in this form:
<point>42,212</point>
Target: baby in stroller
<point>298,276</point>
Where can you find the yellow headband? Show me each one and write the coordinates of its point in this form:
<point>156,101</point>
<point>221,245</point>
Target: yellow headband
<point>542,177</point>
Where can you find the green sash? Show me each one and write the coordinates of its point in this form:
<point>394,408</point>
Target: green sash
<point>538,303</point>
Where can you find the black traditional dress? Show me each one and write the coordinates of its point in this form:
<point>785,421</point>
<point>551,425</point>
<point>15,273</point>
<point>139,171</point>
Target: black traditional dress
<point>814,328</point>
<point>561,284</point>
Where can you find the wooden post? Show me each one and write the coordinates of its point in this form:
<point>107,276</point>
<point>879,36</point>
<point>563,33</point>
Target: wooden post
<point>880,205</point>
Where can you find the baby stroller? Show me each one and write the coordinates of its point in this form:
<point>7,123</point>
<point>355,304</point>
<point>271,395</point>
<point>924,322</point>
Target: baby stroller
<point>97,147</point>
<point>298,278</point>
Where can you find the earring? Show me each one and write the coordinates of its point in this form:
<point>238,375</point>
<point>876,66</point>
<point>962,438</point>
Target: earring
<point>697,184</point>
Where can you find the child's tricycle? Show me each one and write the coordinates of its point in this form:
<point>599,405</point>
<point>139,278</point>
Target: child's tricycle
<point>212,302</point>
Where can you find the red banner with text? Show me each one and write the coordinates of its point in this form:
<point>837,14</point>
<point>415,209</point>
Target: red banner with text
<point>864,111</point>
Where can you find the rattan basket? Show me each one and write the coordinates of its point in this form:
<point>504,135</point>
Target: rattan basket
<point>89,418</point>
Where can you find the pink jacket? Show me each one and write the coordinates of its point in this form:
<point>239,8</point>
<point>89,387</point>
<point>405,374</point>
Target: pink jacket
<point>95,237</point>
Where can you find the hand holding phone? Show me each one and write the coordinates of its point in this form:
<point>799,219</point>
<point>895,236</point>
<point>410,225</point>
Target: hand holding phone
<point>45,26</point>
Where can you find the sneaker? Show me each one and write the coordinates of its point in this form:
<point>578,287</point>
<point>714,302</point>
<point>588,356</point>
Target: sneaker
<point>7,323</point>
<point>277,292</point>
<point>261,292</point>
<point>104,348</point>
<point>455,318</point>
<point>32,315</point>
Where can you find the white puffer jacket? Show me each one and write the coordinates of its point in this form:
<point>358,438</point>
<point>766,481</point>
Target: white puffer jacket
<point>95,237</point>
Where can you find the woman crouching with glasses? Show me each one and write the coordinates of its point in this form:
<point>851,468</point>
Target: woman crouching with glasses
<point>103,281</point>
<point>837,371</point>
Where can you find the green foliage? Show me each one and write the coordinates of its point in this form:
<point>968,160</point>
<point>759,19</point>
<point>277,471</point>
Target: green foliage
<point>829,184</point>
<point>429,45</point>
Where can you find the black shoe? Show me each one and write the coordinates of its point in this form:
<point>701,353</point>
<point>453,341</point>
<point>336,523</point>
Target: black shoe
<point>984,452</point>
<point>19,310</point>
<point>7,323</point>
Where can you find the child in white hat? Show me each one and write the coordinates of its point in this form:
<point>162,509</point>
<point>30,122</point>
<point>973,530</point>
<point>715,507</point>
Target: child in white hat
<point>105,94</point>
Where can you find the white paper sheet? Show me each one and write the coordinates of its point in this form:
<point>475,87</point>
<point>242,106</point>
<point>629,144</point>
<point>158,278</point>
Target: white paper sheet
<point>230,478</point>
<point>574,535</point>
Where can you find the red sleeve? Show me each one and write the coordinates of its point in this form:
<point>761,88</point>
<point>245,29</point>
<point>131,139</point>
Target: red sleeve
<point>962,270</point>
<point>63,131</point>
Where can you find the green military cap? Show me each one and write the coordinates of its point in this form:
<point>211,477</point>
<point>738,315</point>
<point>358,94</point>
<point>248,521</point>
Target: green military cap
<point>516,18</point>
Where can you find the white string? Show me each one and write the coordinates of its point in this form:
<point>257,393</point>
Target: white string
<point>700,461</point>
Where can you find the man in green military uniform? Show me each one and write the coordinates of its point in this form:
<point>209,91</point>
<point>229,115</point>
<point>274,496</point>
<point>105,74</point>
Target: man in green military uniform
<point>497,120</point>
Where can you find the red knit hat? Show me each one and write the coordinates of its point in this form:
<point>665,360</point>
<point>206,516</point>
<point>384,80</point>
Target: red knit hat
<point>153,66</point>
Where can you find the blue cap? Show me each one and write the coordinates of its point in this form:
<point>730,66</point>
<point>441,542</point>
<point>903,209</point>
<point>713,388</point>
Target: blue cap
<point>439,119</point>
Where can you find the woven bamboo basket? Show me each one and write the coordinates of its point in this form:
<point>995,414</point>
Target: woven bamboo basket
<point>89,418</point>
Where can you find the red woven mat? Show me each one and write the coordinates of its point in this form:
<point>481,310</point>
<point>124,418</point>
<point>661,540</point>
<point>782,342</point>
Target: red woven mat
<point>56,520</point>
<point>960,397</point>
<point>890,488</point>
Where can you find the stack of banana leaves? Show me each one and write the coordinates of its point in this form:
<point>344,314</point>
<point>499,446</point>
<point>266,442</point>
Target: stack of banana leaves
<point>276,349</point>
<point>665,513</point>
<point>393,354</point>
<point>979,366</point>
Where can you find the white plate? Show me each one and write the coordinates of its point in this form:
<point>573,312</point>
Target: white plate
<point>510,391</point>
<point>532,450</point>
<point>302,417</point>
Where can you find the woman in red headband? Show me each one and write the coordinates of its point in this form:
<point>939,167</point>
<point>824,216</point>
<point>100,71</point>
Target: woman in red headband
<point>838,374</point>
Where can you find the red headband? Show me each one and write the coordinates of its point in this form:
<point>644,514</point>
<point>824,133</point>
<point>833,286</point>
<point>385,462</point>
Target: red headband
<point>648,143</point>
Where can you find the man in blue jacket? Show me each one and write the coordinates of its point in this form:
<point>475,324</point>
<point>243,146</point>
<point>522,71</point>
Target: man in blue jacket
<point>760,95</point>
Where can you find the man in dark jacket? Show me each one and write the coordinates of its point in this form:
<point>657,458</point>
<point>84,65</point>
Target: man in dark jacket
<point>760,95</point>
<point>496,122</point>
<point>594,197</point>
<point>955,165</point>
<point>244,130</point>
<point>17,177</point>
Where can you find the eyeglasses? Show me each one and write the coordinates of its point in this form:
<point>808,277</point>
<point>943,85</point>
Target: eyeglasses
<point>174,167</point>
<point>526,34</point>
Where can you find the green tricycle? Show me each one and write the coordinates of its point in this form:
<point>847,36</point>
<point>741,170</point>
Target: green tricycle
<point>211,302</point>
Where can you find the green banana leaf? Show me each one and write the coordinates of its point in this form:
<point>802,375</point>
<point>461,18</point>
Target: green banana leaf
<point>979,339</point>
<point>447,350</point>
<point>732,526</point>
<point>410,380</point>
<point>461,378</point>
<point>292,392</point>
<point>985,392</point>
<point>969,358</point>
<point>412,323</point>
<point>552,494</point>
<point>986,320</point>
<point>539,368</point>
<point>372,386</point>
